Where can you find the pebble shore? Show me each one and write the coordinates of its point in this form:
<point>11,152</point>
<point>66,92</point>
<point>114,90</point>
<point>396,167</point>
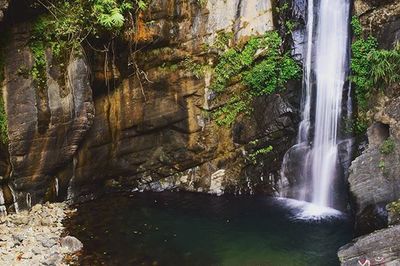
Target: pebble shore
<point>35,237</point>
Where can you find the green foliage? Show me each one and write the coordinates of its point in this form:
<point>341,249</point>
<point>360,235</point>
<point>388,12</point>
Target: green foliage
<point>361,124</point>
<point>290,26</point>
<point>271,74</point>
<point>253,156</point>
<point>386,68</point>
<point>75,20</point>
<point>110,13</point>
<point>226,114</point>
<point>283,8</point>
<point>361,67</point>
<point>230,64</point>
<point>394,207</point>
<point>222,40</point>
<point>381,165</point>
<point>198,70</point>
<point>38,71</point>
<point>356,26</point>
<point>388,146</point>
<point>260,65</point>
<point>264,77</point>
<point>202,3</point>
<point>3,115</point>
<point>68,23</point>
<point>372,68</point>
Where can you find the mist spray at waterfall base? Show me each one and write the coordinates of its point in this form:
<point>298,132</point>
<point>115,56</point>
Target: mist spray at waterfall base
<point>325,70</point>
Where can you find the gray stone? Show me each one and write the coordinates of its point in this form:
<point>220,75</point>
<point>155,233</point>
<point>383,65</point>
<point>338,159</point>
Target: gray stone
<point>48,242</point>
<point>27,254</point>
<point>380,246</point>
<point>72,244</point>
<point>375,175</point>
<point>54,259</point>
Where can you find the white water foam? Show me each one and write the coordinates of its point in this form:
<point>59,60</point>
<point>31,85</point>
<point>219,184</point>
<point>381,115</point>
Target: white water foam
<point>303,210</point>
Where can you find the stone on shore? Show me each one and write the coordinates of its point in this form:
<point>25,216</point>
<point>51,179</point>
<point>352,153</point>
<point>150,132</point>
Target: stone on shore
<point>379,248</point>
<point>34,237</point>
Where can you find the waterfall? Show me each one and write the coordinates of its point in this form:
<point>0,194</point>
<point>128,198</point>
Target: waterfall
<point>3,209</point>
<point>325,71</point>
<point>304,127</point>
<point>330,71</point>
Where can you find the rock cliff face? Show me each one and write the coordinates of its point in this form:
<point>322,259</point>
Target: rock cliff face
<point>155,134</point>
<point>381,18</point>
<point>46,125</point>
<point>132,114</point>
<point>374,176</point>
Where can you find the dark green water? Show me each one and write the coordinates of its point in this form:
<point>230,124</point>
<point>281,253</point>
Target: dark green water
<point>195,229</point>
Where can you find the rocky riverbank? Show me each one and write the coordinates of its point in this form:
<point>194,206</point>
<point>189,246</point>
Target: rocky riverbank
<point>35,237</point>
<point>379,248</point>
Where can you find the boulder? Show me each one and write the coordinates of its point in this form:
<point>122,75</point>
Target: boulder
<point>375,175</point>
<point>71,244</point>
<point>379,248</point>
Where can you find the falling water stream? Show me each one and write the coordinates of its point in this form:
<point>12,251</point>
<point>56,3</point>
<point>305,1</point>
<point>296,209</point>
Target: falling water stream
<point>325,70</point>
<point>330,69</point>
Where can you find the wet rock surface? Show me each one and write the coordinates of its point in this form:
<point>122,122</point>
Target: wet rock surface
<point>3,7</point>
<point>375,175</point>
<point>144,121</point>
<point>381,18</point>
<point>45,125</point>
<point>379,248</point>
<point>34,237</point>
<point>156,133</point>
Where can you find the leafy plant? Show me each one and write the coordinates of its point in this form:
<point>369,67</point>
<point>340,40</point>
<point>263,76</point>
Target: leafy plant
<point>394,207</point>
<point>198,70</point>
<point>386,68</point>
<point>226,114</point>
<point>68,23</point>
<point>356,26</point>
<point>388,146</point>
<point>253,156</point>
<point>223,40</point>
<point>260,65</point>
<point>271,74</point>
<point>202,3</point>
<point>110,13</point>
<point>381,165</point>
<point>372,68</point>
<point>361,67</point>
<point>38,71</point>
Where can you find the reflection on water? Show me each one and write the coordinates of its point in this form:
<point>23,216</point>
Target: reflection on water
<point>195,229</point>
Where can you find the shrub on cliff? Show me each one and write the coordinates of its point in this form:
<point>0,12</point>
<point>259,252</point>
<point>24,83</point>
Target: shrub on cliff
<point>67,24</point>
<point>371,69</point>
<point>260,65</point>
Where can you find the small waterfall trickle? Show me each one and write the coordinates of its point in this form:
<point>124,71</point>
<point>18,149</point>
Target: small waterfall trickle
<point>14,198</point>
<point>3,209</point>
<point>8,200</point>
<point>304,128</point>
<point>70,190</point>
<point>56,186</point>
<point>312,164</point>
